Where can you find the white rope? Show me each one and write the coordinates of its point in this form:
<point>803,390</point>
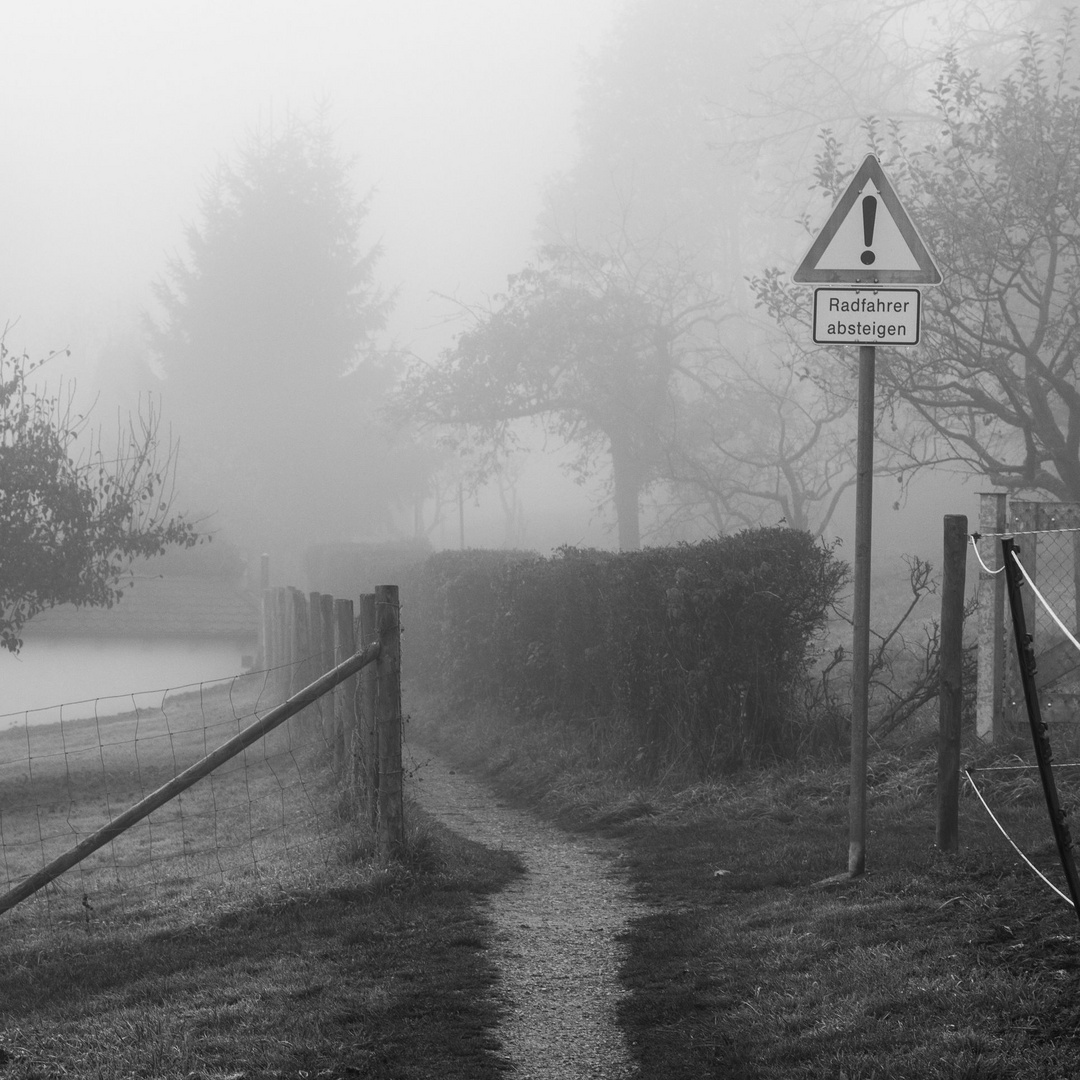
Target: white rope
<point>975,548</point>
<point>1031,532</point>
<point>1042,600</point>
<point>1038,872</point>
<point>1021,768</point>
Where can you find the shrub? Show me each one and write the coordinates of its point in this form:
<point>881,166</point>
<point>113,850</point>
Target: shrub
<point>695,651</point>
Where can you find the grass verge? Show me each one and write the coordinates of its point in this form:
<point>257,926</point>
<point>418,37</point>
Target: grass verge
<point>367,972</point>
<point>754,964</point>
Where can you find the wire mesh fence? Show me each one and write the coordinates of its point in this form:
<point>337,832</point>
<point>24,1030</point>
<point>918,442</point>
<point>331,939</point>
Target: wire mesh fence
<point>219,784</point>
<point>1047,536</point>
<point>270,813</point>
<point>1011,794</point>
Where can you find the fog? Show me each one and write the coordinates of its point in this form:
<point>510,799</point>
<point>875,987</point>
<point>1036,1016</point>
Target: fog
<point>115,114</point>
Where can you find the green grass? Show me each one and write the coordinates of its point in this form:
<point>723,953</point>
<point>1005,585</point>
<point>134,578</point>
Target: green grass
<point>380,972</point>
<point>254,935</point>
<point>265,811</point>
<point>754,964</point>
<point>751,963</point>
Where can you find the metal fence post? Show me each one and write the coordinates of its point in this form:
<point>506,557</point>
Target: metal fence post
<point>950,695</point>
<point>988,718</point>
<point>1027,517</point>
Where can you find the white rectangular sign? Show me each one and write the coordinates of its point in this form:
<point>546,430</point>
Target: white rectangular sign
<point>867,316</point>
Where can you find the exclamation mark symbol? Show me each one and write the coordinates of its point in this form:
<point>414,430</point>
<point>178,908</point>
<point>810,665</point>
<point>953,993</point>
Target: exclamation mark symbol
<point>869,213</point>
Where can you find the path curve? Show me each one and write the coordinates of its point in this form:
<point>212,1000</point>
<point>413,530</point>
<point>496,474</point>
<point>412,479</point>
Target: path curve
<point>555,938</point>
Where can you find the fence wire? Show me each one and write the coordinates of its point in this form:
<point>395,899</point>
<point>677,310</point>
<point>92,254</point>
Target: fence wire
<point>268,814</point>
<point>1054,556</point>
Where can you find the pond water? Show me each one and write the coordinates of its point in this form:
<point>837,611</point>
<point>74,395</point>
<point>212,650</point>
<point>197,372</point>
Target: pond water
<point>51,680</point>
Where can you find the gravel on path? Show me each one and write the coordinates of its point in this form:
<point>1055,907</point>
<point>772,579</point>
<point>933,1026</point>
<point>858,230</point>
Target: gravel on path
<point>556,931</point>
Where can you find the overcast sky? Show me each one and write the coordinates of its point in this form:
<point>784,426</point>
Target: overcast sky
<point>112,114</point>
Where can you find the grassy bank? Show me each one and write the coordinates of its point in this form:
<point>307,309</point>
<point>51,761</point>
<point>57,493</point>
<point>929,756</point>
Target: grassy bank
<point>244,930</point>
<point>361,972</point>
<point>756,965</point>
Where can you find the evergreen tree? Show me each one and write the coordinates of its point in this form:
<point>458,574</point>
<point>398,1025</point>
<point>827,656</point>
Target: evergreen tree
<point>266,339</point>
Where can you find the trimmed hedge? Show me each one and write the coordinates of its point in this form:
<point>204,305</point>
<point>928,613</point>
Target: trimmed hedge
<point>697,651</point>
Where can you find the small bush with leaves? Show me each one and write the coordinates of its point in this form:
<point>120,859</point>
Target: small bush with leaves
<point>71,521</point>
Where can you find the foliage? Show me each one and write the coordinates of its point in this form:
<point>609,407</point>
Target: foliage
<point>70,523</point>
<point>456,601</point>
<point>694,650</point>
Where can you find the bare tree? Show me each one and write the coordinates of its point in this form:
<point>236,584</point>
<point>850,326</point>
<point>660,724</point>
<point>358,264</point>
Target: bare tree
<point>994,386</point>
<point>600,347</point>
<point>765,445</point>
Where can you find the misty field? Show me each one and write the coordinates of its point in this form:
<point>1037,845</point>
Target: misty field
<point>262,813</point>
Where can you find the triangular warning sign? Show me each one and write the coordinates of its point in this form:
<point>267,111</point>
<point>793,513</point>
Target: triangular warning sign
<point>869,238</point>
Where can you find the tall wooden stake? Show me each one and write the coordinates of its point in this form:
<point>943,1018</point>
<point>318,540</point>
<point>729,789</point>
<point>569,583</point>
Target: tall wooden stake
<point>391,832</point>
<point>860,643</point>
<point>368,757</point>
<point>345,694</point>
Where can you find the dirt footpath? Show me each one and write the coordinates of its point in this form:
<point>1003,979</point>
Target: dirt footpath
<point>556,929</point>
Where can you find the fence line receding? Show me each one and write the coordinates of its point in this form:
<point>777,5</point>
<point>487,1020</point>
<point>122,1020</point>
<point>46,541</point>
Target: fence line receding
<point>221,784</point>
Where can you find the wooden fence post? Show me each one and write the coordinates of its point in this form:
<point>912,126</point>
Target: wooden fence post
<point>266,631</point>
<point>391,813</point>
<point>950,693</point>
<point>282,643</point>
<point>325,606</point>
<point>316,633</point>
<point>345,694</point>
<point>288,637</point>
<point>315,645</point>
<point>369,730</point>
<point>301,642</point>
<point>306,635</point>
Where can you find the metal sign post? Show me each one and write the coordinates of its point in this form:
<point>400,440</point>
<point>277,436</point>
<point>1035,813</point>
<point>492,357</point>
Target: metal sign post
<point>871,249</point>
<point>860,640</point>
